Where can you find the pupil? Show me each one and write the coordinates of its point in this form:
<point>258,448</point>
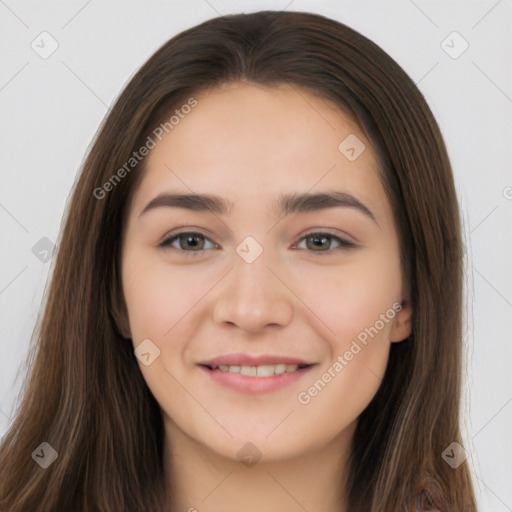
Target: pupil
<point>317,238</point>
<point>189,238</point>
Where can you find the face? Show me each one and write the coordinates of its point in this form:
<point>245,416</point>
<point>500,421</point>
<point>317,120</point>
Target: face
<point>229,299</point>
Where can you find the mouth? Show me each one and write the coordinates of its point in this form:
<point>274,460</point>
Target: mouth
<point>251,374</point>
<point>262,371</point>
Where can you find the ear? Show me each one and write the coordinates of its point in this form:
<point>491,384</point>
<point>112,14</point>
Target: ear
<point>401,328</point>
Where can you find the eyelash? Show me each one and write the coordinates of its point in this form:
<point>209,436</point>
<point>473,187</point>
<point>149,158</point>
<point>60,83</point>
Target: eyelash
<point>166,243</point>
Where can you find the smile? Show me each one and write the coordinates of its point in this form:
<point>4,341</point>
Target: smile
<point>268,370</point>
<point>254,379</point>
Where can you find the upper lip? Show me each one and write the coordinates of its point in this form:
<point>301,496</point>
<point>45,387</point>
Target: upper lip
<point>252,360</point>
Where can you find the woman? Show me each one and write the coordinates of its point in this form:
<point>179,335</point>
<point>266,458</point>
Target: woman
<point>197,351</point>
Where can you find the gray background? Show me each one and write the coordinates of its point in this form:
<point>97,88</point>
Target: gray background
<point>51,108</point>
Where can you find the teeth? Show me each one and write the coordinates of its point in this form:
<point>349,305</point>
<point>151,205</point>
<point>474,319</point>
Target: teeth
<point>265,371</point>
<point>249,371</point>
<point>268,370</point>
<point>280,368</point>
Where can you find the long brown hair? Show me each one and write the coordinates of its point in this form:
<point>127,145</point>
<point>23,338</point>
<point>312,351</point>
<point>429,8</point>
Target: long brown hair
<point>85,395</point>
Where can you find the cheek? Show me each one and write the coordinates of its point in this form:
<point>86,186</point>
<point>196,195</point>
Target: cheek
<point>157,300</point>
<point>353,298</point>
<point>154,296</point>
<point>356,302</point>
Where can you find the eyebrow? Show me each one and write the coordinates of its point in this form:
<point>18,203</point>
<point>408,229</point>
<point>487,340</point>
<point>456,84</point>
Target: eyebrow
<point>284,204</point>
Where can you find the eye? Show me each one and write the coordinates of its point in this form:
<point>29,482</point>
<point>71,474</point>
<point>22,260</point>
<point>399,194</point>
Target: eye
<point>187,242</point>
<point>193,243</point>
<point>321,240</point>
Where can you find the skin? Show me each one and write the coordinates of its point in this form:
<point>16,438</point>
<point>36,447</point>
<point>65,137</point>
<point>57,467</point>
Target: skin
<point>248,143</point>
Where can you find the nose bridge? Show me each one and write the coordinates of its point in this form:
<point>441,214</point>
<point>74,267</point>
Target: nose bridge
<point>252,296</point>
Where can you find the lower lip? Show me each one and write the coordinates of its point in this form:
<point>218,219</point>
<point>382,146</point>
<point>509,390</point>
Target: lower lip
<point>255,385</point>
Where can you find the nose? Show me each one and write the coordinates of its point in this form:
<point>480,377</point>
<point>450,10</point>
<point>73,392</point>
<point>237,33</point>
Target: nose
<point>253,296</point>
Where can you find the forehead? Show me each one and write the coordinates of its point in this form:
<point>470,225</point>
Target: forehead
<point>244,141</point>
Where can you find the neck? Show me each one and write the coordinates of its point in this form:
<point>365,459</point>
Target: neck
<point>201,480</point>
